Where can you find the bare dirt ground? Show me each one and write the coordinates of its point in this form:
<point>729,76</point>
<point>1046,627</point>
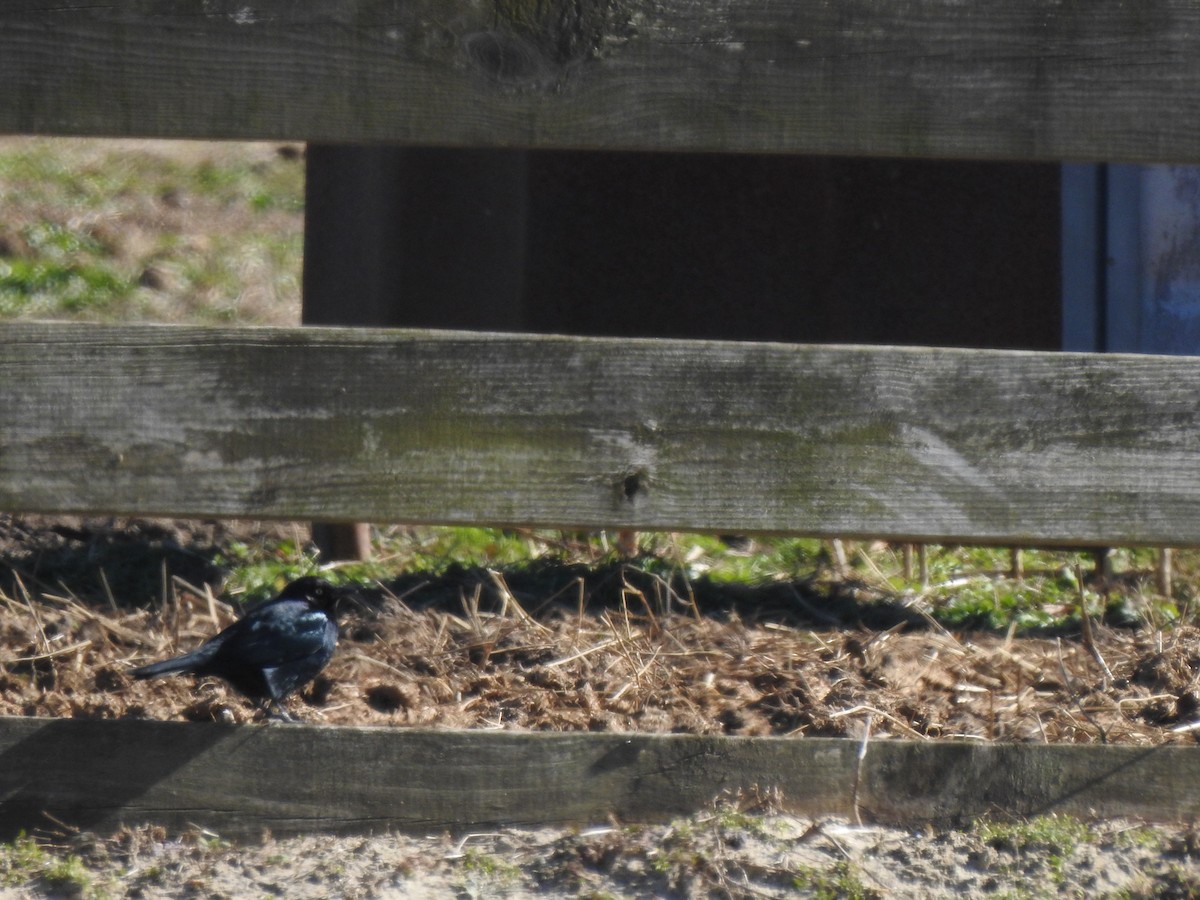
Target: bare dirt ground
<point>611,647</point>
<point>565,646</point>
<point>715,854</point>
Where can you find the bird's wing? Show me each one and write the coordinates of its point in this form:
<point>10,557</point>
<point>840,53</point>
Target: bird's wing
<point>278,632</point>
<point>285,677</point>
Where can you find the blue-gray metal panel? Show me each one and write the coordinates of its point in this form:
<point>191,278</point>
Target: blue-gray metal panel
<point>1170,259</point>
<point>1083,191</point>
<point>1123,261</point>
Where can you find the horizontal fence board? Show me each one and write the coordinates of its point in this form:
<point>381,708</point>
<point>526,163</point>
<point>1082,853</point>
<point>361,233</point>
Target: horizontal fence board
<point>461,428</point>
<point>1020,79</point>
<point>289,779</point>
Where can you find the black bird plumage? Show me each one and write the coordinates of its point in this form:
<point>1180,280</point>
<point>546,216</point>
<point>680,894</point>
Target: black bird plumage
<point>276,648</point>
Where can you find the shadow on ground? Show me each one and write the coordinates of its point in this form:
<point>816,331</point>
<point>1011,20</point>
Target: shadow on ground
<point>101,561</point>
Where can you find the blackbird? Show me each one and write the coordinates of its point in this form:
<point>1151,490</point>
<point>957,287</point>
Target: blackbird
<point>276,648</point>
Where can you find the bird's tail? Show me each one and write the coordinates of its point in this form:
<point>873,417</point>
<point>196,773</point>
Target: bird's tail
<point>185,663</point>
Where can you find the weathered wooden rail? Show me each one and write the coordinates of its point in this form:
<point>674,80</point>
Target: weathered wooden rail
<point>241,780</point>
<point>456,427</point>
<point>439,427</point>
<point>1019,79</point>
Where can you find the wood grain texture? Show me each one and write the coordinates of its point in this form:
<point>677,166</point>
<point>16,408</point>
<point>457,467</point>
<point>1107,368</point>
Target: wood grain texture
<point>457,427</point>
<point>236,781</point>
<point>1018,79</point>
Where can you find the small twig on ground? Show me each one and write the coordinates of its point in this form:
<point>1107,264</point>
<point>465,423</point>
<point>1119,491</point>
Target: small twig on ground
<point>672,596</point>
<point>355,656</point>
<point>865,555</point>
<point>581,601</point>
<point>108,592</point>
<point>457,852</point>
<point>917,604</point>
<point>37,619</point>
<point>578,584</point>
<point>110,626</point>
<point>603,645</point>
<point>52,654</point>
<point>399,599</point>
<point>691,594</point>
<point>1023,664</point>
<point>1067,684</point>
<point>471,608</point>
<point>837,845</point>
<point>628,590</point>
<point>211,602</point>
<point>1089,640</point>
<point>873,711</point>
<point>508,600</point>
<point>170,600</point>
<point>858,767</point>
<point>637,676</point>
<point>1008,636</point>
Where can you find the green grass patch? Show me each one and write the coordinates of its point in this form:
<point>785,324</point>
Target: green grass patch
<point>21,860</point>
<point>486,874</point>
<point>839,881</point>
<point>258,571</point>
<point>673,572</point>
<point>997,604</point>
<point>974,593</point>
<point>1053,838</point>
<point>257,186</point>
<point>73,287</point>
<point>203,233</point>
<point>724,561</point>
<point>24,862</point>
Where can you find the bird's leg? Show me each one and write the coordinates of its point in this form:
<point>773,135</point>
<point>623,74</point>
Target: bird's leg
<point>276,710</point>
<point>270,709</point>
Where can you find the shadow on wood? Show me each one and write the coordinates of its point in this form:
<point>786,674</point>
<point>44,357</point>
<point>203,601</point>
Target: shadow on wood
<point>46,769</point>
<point>293,779</point>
